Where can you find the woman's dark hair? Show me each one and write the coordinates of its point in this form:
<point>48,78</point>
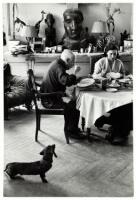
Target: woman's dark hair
<point>109,47</point>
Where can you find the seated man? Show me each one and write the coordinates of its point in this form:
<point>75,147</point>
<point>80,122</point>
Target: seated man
<point>75,36</point>
<point>57,80</point>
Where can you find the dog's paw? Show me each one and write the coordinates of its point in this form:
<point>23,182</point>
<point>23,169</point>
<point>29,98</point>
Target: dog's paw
<point>44,181</point>
<point>8,175</point>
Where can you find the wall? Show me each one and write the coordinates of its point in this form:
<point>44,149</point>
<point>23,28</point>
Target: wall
<point>35,15</point>
<point>31,13</point>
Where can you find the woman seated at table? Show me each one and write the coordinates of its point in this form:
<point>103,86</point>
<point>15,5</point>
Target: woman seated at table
<point>121,118</point>
<point>109,66</point>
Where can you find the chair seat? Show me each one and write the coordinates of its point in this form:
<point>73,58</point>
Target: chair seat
<point>49,111</point>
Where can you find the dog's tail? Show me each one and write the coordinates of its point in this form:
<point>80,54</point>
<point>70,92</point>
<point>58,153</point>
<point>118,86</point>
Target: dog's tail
<point>53,146</point>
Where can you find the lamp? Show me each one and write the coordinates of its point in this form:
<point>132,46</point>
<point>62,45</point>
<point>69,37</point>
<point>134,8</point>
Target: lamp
<point>30,33</point>
<point>100,27</point>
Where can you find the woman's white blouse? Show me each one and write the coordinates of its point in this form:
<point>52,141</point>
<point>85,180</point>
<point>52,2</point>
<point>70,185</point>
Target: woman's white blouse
<point>102,67</point>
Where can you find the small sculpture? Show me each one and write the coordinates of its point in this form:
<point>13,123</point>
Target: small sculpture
<point>123,36</point>
<point>50,31</point>
<point>47,30</point>
<point>110,20</point>
<point>38,25</point>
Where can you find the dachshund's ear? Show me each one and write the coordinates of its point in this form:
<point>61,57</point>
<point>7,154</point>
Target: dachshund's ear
<point>42,152</point>
<point>54,150</point>
<point>53,145</point>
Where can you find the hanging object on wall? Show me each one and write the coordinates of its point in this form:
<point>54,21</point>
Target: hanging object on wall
<point>14,13</point>
<point>19,24</point>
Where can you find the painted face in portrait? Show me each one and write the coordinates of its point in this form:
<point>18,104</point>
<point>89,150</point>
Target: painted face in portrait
<point>73,23</point>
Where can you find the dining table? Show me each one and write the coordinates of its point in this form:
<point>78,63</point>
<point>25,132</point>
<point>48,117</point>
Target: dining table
<point>93,102</point>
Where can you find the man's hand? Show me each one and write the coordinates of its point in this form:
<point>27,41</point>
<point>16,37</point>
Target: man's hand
<point>60,94</point>
<point>103,73</point>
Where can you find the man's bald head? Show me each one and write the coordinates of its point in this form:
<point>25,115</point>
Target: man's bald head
<point>68,57</point>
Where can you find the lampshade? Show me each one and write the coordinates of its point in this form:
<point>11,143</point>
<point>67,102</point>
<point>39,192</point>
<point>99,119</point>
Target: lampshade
<point>29,31</point>
<point>100,27</point>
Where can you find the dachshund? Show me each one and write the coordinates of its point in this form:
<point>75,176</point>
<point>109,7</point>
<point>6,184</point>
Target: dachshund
<point>33,168</point>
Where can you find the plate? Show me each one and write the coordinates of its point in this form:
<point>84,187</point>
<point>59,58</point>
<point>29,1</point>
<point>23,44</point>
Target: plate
<point>86,82</point>
<point>125,80</point>
<point>114,75</point>
<point>111,90</point>
<point>114,85</point>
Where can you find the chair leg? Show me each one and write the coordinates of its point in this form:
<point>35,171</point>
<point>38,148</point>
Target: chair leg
<point>39,122</point>
<point>67,137</point>
<point>83,123</point>
<point>37,127</point>
<point>5,108</point>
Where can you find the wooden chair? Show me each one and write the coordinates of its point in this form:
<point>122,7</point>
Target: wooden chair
<point>93,60</point>
<point>39,109</point>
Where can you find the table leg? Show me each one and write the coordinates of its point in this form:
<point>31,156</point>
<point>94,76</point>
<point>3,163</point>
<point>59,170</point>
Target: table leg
<point>88,134</point>
<point>83,123</point>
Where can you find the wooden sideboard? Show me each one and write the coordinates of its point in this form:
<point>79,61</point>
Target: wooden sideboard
<point>40,62</point>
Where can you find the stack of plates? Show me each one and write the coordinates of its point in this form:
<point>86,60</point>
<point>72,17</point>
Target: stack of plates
<point>86,82</point>
<point>124,80</point>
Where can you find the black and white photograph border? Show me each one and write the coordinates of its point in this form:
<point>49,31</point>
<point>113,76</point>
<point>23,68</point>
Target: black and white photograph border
<point>40,157</point>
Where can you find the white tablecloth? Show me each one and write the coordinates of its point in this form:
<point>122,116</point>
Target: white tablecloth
<point>94,104</point>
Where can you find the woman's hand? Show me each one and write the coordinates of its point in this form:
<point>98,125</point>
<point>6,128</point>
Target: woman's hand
<point>103,73</point>
<point>113,75</point>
